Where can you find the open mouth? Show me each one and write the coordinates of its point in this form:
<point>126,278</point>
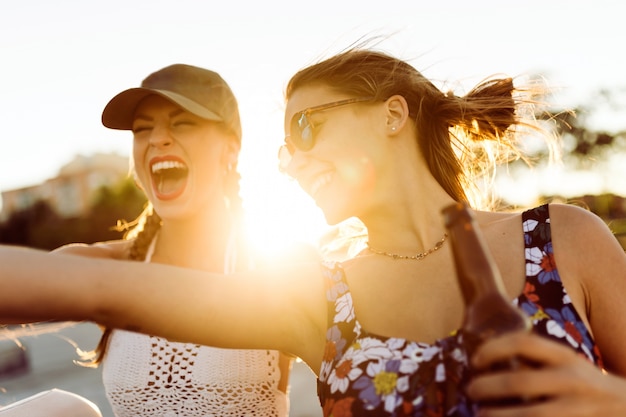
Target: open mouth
<point>169,178</point>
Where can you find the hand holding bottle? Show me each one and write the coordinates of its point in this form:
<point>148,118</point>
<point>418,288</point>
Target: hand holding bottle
<point>562,384</point>
<point>488,311</point>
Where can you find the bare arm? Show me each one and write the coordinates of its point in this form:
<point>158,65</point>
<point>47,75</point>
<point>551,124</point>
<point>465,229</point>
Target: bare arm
<point>592,266</point>
<point>105,250</point>
<point>282,309</point>
<point>114,249</point>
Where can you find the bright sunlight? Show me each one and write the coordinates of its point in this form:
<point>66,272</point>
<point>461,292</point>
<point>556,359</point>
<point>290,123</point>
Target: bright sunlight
<point>278,213</point>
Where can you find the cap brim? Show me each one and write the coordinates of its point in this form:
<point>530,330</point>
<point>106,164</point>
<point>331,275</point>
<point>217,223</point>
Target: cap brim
<point>120,111</point>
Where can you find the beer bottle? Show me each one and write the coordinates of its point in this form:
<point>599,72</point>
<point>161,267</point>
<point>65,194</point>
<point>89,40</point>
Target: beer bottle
<point>488,311</point>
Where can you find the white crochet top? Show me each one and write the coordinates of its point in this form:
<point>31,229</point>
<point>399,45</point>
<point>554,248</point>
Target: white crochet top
<point>147,376</point>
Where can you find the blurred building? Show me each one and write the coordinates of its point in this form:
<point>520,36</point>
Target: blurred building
<point>70,192</point>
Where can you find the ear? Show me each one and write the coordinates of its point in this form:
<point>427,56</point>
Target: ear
<point>397,113</point>
<point>230,155</point>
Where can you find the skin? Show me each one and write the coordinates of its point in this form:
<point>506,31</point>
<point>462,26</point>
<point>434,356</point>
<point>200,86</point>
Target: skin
<point>574,387</point>
<point>388,186</point>
<point>162,129</point>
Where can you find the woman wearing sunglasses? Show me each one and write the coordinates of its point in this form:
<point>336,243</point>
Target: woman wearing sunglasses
<point>368,136</point>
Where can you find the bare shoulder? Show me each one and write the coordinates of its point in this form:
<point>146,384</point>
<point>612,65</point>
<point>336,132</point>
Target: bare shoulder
<point>570,212</point>
<point>576,228</point>
<point>584,246</point>
<point>585,249</point>
<point>593,264</point>
<point>114,249</point>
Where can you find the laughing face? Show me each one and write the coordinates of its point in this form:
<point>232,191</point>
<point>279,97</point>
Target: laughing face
<point>179,158</point>
<point>338,170</point>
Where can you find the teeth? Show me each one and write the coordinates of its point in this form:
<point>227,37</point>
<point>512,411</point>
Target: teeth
<point>319,183</point>
<point>159,166</point>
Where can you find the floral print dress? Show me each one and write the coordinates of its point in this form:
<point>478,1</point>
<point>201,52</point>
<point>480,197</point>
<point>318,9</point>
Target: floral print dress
<point>365,374</point>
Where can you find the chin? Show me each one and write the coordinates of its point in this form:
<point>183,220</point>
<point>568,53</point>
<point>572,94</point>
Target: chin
<point>341,206</point>
<point>171,212</point>
<point>334,215</point>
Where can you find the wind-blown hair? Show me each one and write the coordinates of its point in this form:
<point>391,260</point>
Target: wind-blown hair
<point>462,139</point>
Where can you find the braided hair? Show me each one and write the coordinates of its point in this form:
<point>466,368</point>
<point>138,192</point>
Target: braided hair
<point>144,229</point>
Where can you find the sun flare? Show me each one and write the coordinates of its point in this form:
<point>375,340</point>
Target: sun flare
<point>278,214</point>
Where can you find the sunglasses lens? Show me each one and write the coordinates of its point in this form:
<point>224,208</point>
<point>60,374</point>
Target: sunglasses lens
<point>301,133</point>
<point>306,138</point>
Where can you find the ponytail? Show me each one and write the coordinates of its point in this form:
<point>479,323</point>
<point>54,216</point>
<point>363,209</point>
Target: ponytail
<point>462,139</point>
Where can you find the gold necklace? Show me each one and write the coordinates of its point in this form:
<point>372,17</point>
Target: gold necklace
<point>417,257</point>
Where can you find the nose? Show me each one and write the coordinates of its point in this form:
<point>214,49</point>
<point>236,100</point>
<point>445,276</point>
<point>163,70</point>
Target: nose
<point>295,163</point>
<point>284,159</point>
<point>161,137</point>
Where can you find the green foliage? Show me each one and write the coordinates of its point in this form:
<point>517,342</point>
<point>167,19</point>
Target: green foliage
<point>39,226</point>
<point>584,145</point>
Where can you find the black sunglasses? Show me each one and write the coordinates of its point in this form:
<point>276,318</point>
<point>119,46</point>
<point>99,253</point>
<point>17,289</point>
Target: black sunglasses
<point>301,130</point>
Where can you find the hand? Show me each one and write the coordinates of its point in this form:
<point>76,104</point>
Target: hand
<point>561,384</point>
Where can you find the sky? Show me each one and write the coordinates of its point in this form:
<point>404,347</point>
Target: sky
<point>63,60</point>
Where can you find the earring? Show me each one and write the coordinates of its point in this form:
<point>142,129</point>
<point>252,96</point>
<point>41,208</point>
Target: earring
<point>393,128</point>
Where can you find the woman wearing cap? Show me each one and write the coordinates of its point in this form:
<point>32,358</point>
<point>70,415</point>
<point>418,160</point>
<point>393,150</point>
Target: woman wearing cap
<point>187,135</point>
<point>369,136</point>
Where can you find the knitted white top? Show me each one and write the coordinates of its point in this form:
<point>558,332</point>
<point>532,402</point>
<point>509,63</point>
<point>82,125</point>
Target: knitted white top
<point>151,377</point>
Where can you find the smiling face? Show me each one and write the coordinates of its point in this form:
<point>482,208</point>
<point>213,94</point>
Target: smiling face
<point>179,158</point>
<point>338,172</point>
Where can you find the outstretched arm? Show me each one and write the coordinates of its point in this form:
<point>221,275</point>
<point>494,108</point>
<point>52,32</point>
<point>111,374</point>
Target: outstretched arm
<point>279,309</point>
<point>104,250</point>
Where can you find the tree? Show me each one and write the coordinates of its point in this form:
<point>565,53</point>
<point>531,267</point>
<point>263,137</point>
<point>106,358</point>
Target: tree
<point>584,144</point>
<point>23,226</point>
<point>39,226</point>
<point>120,203</point>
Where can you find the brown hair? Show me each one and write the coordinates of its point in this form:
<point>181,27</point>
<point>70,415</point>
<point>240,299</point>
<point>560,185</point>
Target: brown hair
<point>461,138</point>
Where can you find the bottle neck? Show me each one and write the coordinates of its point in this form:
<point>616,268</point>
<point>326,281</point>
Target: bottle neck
<point>477,271</point>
